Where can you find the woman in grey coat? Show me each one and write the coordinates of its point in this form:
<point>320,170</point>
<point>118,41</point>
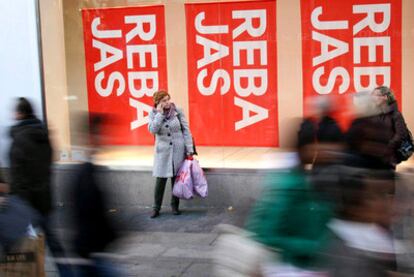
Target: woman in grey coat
<point>173,142</point>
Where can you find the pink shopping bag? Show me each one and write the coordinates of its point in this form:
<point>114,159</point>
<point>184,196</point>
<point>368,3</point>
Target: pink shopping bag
<point>199,180</point>
<point>183,186</point>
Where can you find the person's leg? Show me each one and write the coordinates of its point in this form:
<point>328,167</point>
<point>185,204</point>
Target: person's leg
<point>51,239</point>
<point>106,268</point>
<point>58,252</point>
<point>158,195</point>
<point>175,201</point>
<point>85,271</point>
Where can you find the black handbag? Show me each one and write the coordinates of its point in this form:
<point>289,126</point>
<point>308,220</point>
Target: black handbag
<point>406,148</point>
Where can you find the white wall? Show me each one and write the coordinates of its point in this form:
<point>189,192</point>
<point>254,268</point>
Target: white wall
<point>19,64</point>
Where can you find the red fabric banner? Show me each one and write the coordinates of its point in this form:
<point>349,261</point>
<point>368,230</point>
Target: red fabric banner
<point>231,50</point>
<point>350,46</point>
<point>125,64</point>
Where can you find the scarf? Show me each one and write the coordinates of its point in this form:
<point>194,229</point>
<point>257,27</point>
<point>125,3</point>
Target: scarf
<point>170,112</point>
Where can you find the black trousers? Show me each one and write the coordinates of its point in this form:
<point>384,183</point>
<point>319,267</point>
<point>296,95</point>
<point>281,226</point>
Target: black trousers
<point>159,193</point>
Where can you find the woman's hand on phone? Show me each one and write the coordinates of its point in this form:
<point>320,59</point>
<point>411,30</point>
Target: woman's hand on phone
<point>160,107</point>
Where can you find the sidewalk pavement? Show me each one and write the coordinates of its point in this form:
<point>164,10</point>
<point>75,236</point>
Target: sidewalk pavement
<point>163,254</point>
<point>169,245</point>
<point>182,245</point>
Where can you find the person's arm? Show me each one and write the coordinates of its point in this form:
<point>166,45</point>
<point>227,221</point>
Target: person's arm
<point>188,138</point>
<point>18,162</point>
<point>155,122</point>
<point>400,130</point>
<point>1,176</point>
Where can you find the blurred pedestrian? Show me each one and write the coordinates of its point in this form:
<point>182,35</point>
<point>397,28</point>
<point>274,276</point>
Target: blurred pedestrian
<point>390,118</point>
<point>94,230</point>
<point>290,219</point>
<point>321,138</point>
<point>31,158</point>
<point>321,133</point>
<point>30,171</point>
<point>377,132</point>
<point>173,142</point>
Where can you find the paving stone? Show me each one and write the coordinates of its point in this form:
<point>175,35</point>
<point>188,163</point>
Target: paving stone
<point>197,252</point>
<point>199,270</point>
<point>142,249</point>
<point>160,268</point>
<point>170,238</point>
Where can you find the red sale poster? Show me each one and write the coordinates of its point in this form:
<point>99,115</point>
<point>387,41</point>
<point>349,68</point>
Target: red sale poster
<point>350,46</point>
<point>125,57</point>
<point>232,73</point>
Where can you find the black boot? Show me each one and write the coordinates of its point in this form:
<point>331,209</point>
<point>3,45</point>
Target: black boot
<point>175,211</point>
<point>155,214</point>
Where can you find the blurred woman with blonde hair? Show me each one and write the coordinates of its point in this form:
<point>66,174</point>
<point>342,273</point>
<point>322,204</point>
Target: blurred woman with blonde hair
<point>391,119</point>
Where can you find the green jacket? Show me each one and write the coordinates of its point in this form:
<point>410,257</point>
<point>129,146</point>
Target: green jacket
<point>289,218</point>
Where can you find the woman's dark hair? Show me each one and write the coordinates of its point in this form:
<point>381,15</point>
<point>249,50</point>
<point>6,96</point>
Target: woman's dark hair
<point>91,126</point>
<point>158,96</point>
<point>96,122</point>
<point>387,92</point>
<point>24,107</point>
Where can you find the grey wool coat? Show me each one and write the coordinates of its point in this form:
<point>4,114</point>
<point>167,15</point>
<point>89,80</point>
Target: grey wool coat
<point>173,141</point>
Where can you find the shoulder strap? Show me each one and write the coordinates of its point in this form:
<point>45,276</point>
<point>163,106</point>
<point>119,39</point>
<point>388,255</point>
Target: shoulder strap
<point>179,119</point>
<point>182,129</point>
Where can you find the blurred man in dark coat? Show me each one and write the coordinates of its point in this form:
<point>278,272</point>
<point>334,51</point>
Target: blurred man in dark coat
<point>30,170</point>
<point>30,159</point>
